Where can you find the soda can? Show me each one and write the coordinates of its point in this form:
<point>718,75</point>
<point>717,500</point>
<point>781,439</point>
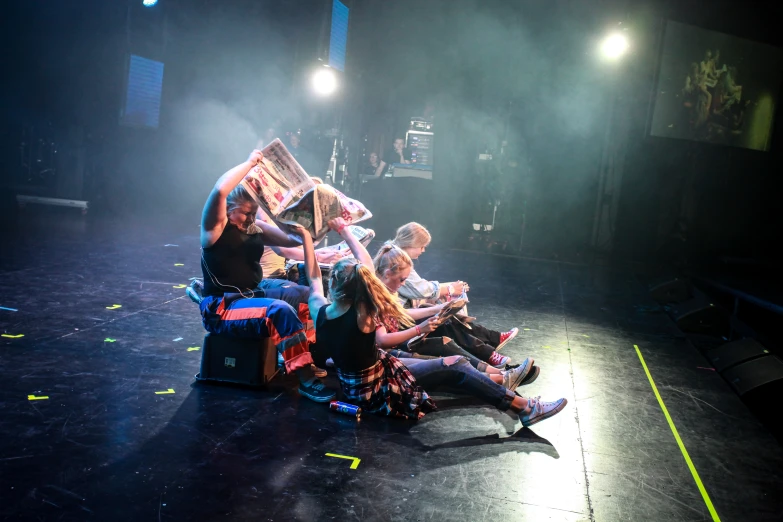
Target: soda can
<point>348,409</point>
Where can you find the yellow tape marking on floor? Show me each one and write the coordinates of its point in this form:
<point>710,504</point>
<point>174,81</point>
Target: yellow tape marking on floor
<point>699,484</point>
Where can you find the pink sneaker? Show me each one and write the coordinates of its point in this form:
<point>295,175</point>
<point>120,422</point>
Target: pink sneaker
<point>506,337</point>
<point>497,360</point>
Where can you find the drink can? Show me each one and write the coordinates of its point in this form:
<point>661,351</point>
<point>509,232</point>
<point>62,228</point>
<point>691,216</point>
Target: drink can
<point>344,407</point>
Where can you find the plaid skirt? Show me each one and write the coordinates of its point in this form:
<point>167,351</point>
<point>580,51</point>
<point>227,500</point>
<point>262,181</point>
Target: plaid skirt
<point>386,388</point>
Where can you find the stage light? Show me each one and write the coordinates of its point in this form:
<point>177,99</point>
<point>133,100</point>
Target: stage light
<point>149,3</point>
<point>324,81</point>
<point>614,46</point>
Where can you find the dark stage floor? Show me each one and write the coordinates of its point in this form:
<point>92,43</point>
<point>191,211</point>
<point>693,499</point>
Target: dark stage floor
<point>105,445</point>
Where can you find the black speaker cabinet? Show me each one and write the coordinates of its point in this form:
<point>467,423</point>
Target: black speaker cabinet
<point>699,316</point>
<point>251,362</point>
<point>670,290</point>
<point>751,375</point>
<point>733,353</point>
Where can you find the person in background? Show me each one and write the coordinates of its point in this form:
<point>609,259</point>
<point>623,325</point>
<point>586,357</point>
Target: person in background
<point>398,153</point>
<point>374,168</point>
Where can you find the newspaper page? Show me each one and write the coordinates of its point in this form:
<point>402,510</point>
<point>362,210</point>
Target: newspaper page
<point>288,195</point>
<point>449,311</point>
<point>278,181</point>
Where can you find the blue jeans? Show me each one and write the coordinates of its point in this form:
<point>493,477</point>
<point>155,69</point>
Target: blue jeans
<point>431,373</point>
<point>285,290</point>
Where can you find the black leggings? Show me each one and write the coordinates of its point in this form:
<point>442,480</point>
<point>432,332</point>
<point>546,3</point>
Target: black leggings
<point>435,347</point>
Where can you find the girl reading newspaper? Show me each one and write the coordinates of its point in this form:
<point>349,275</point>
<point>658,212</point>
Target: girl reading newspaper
<point>414,239</point>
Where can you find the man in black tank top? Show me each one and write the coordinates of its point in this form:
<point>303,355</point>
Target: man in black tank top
<point>232,244</point>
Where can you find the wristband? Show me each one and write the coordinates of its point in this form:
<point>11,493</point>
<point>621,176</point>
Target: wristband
<point>340,228</point>
<point>418,330</point>
<point>450,290</point>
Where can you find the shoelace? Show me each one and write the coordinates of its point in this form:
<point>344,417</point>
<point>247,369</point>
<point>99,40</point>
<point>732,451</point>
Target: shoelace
<point>534,404</point>
<point>495,359</point>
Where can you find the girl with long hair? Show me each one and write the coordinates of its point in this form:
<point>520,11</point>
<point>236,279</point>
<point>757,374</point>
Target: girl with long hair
<point>392,267</point>
<point>346,331</point>
<point>414,239</point>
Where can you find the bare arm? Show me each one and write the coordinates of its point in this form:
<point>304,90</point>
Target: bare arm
<point>423,313</point>
<point>274,237</point>
<point>380,168</point>
<point>358,250</point>
<point>386,339</point>
<point>215,216</point>
<point>316,300</point>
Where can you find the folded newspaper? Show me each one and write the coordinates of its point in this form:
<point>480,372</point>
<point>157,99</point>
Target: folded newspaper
<point>449,311</point>
<point>288,195</point>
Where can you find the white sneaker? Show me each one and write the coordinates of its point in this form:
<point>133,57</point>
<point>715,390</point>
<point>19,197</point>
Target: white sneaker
<point>513,378</point>
<point>540,410</point>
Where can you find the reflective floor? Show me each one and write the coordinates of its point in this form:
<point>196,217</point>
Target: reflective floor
<point>86,435</point>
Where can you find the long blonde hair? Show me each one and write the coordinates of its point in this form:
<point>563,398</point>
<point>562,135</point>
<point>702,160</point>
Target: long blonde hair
<point>355,282</point>
<point>412,235</point>
<point>391,257</point>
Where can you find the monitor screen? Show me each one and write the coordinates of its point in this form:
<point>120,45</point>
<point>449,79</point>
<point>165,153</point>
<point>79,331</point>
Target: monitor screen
<point>716,88</point>
<point>338,40</point>
<point>143,94</point>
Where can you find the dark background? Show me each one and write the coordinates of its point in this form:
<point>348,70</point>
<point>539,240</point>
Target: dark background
<point>487,67</point>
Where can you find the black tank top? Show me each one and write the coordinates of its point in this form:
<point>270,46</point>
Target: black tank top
<point>351,349</point>
<point>233,261</point>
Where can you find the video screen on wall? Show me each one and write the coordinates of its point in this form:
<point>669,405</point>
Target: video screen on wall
<point>716,88</point>
<point>143,94</point>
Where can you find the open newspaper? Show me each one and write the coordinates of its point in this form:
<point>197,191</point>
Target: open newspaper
<point>449,311</point>
<point>287,194</point>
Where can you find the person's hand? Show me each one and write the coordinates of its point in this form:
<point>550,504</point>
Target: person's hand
<point>255,157</point>
<point>337,224</point>
<point>429,325</point>
<point>457,287</point>
<point>298,230</point>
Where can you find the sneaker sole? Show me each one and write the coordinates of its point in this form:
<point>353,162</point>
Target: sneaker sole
<point>531,376</point>
<point>504,343</point>
<point>523,376</point>
<point>316,398</point>
<point>546,415</point>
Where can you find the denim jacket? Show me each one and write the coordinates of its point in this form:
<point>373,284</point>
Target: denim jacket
<point>415,289</point>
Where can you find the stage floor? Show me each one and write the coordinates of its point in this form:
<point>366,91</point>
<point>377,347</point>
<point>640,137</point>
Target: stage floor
<point>104,444</point>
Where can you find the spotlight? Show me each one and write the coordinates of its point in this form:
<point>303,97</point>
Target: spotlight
<point>614,46</point>
<point>324,81</point>
<point>149,3</point>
